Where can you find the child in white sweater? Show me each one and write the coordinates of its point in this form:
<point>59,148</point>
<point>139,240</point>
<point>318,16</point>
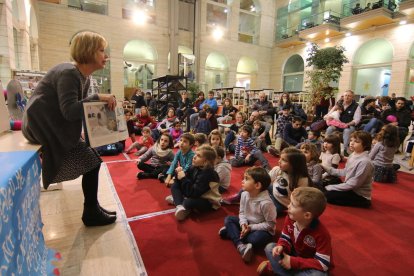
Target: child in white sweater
<point>358,172</point>
<point>255,225</point>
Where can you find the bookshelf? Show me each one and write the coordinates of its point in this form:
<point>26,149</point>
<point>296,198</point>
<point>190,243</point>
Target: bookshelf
<point>236,94</point>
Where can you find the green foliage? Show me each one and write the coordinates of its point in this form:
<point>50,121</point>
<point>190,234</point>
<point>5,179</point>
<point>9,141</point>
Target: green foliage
<point>193,88</point>
<point>327,67</point>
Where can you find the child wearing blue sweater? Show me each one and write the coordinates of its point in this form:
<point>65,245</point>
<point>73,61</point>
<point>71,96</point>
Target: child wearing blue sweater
<point>183,157</point>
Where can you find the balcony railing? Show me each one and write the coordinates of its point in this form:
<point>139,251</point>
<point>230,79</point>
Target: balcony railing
<point>325,17</point>
<point>285,33</point>
<point>94,6</point>
<point>361,6</point>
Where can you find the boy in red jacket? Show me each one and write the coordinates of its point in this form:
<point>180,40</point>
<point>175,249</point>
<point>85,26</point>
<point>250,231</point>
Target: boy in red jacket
<point>305,244</point>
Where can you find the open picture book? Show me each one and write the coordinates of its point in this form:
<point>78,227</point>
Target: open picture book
<point>103,126</point>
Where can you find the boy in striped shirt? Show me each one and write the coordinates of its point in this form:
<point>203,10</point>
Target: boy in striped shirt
<point>305,243</point>
<point>246,153</point>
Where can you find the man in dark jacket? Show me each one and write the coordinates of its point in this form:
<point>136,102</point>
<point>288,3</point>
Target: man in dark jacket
<point>264,107</point>
<point>403,115</point>
<point>139,100</point>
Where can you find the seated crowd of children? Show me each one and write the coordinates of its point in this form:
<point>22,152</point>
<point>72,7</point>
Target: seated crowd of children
<point>306,178</point>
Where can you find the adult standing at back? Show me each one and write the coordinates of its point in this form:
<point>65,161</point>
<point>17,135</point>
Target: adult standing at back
<point>351,116</point>
<point>53,119</point>
<point>138,97</point>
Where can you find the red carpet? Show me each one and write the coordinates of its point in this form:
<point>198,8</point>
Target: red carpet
<point>138,197</point>
<point>192,247</point>
<point>377,241</point>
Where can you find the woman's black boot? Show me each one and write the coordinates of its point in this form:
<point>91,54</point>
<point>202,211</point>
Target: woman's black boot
<point>94,216</point>
<point>107,211</point>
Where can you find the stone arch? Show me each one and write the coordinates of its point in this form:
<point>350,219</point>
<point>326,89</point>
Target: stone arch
<point>139,65</point>
<point>216,70</point>
<point>293,72</point>
<point>372,68</point>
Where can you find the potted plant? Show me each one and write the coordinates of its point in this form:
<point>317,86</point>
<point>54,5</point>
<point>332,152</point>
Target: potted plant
<point>193,88</point>
<point>327,67</point>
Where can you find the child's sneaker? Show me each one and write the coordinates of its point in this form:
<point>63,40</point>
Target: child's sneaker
<point>181,213</point>
<point>143,175</point>
<point>246,251</point>
<point>264,268</point>
<point>223,232</point>
<point>273,151</point>
<point>161,177</point>
<point>233,199</point>
<point>170,199</point>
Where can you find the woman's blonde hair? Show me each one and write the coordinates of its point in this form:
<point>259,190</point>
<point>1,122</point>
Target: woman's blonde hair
<point>84,46</point>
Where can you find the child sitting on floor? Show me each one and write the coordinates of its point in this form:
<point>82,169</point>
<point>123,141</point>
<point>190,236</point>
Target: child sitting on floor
<point>143,144</point>
<point>330,157</point>
<point>197,188</point>
<point>160,156</point>
<point>246,152</point>
<point>315,170</point>
<point>304,247</point>
<point>184,157</point>
<point>200,139</point>
<point>291,173</point>
<point>176,131</point>
<point>382,154</point>
<point>215,139</point>
<point>313,138</point>
<point>256,223</point>
<point>332,119</point>
<point>203,125</point>
<point>358,172</point>
<point>223,169</point>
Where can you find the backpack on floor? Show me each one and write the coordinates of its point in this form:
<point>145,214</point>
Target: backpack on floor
<point>111,149</point>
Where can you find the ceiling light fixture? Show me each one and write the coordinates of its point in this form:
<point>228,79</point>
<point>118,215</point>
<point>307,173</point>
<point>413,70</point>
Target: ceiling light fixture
<point>218,33</point>
<point>140,17</point>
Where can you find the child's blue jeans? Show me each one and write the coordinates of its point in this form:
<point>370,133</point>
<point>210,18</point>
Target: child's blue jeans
<point>279,270</point>
<point>257,238</point>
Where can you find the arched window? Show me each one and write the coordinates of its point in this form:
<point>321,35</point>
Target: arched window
<point>216,71</point>
<point>139,64</point>
<point>372,68</point>
<point>246,72</point>
<point>249,21</point>
<point>293,74</point>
